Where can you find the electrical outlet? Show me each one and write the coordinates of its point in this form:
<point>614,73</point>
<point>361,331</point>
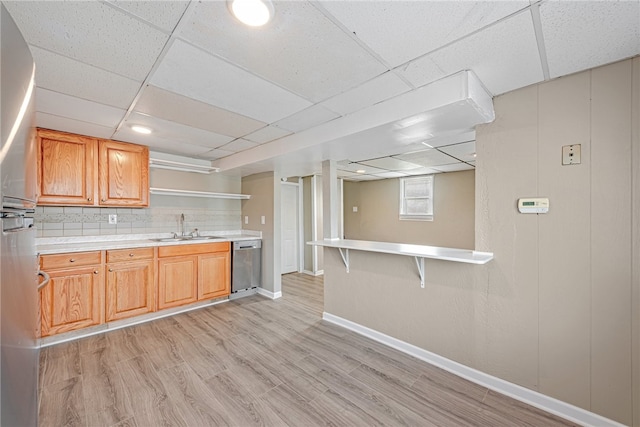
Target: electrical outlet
<point>113,219</point>
<point>246,219</point>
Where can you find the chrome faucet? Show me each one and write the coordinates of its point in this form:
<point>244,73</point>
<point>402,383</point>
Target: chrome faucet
<point>182,224</point>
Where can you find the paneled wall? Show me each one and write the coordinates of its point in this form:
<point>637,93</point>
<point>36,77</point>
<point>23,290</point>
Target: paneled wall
<point>558,309</point>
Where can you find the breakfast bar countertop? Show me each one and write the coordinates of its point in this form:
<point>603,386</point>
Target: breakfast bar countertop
<point>57,245</point>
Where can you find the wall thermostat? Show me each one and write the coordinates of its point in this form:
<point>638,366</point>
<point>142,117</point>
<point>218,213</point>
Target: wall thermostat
<point>535,205</point>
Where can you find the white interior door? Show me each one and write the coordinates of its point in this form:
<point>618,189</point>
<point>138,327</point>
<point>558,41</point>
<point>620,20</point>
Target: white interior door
<point>290,227</point>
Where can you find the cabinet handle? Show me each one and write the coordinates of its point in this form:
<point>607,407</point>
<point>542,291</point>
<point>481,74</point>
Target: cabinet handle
<point>111,270</point>
<point>72,260</point>
<point>103,200</point>
<point>46,280</point>
<point>88,199</point>
<point>96,272</point>
<point>130,254</point>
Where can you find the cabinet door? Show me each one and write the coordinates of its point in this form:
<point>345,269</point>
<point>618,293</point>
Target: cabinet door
<point>177,281</point>
<point>67,172</point>
<point>214,275</point>
<point>73,299</point>
<point>130,289</point>
<point>124,174</point>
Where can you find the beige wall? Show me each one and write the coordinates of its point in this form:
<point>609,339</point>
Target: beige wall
<point>557,309</point>
<point>378,218</point>
<point>264,190</point>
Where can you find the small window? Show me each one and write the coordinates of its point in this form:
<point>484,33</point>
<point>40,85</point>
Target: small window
<point>416,198</point>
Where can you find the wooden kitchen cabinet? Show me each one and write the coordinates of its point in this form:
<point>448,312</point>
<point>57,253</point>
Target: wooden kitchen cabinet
<point>177,281</point>
<point>214,279</point>
<point>130,283</point>
<point>74,298</point>
<point>124,174</point>
<point>67,169</point>
<point>188,273</point>
<point>74,170</point>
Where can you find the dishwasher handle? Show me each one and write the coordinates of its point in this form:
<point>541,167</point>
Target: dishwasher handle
<point>244,245</point>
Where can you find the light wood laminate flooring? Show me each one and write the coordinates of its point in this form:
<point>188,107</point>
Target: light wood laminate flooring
<point>254,361</point>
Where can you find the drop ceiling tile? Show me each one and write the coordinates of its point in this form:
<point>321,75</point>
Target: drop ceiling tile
<point>428,158</point>
<point>162,14</point>
<point>403,30</point>
<point>64,75</point>
<point>377,90</point>
<point>180,109</point>
<point>239,145</point>
<point>465,151</point>
<point>169,147</point>
<point>170,131</point>
<point>91,32</point>
<point>300,49</point>
<point>361,177</point>
<point>585,34</point>
<point>78,109</point>
<point>188,71</point>
<point>267,134</point>
<point>504,57</point>
<point>218,153</point>
<point>421,171</point>
<point>307,118</point>
<point>345,174</point>
<point>65,124</point>
<point>354,167</point>
<point>390,163</point>
<point>456,167</point>
<point>390,174</point>
<point>421,71</point>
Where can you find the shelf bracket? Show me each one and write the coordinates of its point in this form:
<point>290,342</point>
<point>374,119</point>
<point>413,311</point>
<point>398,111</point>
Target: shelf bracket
<point>345,257</point>
<point>420,265</point>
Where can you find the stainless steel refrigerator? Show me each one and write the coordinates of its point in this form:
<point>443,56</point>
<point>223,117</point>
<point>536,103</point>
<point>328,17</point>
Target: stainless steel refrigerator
<point>18,260</point>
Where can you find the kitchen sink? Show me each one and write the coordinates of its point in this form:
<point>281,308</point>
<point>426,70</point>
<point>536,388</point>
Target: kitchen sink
<point>182,239</point>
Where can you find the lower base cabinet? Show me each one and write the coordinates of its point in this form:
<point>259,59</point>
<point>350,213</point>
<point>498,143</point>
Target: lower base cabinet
<point>177,281</point>
<point>74,298</point>
<point>90,288</point>
<point>130,287</point>
<point>189,273</point>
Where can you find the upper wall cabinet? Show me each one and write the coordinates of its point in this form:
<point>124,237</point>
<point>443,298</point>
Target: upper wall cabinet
<point>75,170</point>
<point>124,174</point>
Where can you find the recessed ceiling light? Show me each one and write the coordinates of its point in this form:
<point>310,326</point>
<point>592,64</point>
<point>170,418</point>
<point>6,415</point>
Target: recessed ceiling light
<point>141,129</point>
<point>254,13</point>
<point>360,171</point>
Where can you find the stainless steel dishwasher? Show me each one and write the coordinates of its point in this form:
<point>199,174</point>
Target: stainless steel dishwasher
<point>246,260</point>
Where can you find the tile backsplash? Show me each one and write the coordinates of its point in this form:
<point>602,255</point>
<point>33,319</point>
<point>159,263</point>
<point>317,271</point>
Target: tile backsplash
<point>77,221</point>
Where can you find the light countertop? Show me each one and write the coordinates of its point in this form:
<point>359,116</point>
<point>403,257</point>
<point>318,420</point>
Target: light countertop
<point>421,251</point>
<point>57,245</point>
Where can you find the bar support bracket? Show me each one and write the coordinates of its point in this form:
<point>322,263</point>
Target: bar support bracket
<point>344,253</point>
<point>420,265</point>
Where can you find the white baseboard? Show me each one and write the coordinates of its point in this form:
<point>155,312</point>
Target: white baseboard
<point>311,273</point>
<point>531,397</point>
<point>269,294</point>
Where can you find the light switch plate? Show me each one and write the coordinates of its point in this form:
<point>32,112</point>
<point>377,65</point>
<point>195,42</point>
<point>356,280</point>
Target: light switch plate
<point>571,154</point>
<point>246,219</point>
<point>263,221</point>
<point>355,209</point>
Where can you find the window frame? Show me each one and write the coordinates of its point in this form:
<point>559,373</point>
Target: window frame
<point>428,214</point>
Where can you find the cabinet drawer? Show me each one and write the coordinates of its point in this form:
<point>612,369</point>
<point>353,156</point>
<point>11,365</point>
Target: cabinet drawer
<point>118,255</point>
<point>52,262</point>
<point>193,249</point>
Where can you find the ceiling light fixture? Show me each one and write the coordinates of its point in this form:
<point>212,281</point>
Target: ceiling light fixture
<point>254,13</point>
<point>141,129</point>
<point>360,171</point>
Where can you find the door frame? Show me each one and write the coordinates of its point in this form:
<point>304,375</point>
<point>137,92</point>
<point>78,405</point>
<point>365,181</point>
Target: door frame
<point>300,217</point>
